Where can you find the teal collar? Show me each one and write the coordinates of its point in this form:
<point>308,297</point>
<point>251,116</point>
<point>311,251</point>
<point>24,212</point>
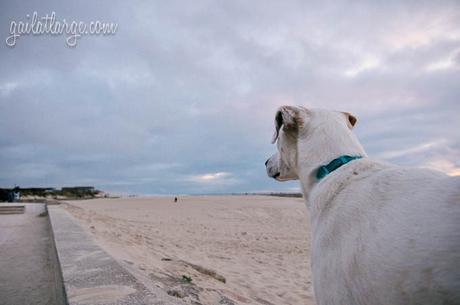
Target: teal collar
<point>325,170</point>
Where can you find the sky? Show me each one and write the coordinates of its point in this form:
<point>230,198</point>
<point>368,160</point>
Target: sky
<point>181,99</point>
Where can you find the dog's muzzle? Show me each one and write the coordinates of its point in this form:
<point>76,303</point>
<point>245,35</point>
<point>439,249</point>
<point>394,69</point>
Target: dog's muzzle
<point>270,172</point>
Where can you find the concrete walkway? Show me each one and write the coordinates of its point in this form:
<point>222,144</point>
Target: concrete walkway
<point>29,272</point>
<point>90,275</point>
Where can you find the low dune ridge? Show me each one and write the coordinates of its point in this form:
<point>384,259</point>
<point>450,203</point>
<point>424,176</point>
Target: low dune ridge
<point>208,249</point>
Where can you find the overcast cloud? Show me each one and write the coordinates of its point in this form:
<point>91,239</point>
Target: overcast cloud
<point>181,99</point>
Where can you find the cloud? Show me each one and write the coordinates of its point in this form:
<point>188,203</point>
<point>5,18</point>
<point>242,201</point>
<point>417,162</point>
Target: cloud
<point>421,148</point>
<point>213,178</point>
<point>7,88</point>
<point>444,165</point>
<point>368,63</point>
<point>449,62</point>
<point>181,99</point>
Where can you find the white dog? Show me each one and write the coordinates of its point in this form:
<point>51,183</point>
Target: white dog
<point>381,234</point>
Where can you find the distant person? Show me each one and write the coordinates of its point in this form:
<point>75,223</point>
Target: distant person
<point>175,199</point>
<point>16,193</point>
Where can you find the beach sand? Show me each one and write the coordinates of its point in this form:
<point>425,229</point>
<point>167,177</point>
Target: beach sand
<point>234,249</point>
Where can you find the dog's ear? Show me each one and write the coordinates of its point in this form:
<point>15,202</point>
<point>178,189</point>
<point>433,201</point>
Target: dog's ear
<point>287,117</point>
<point>351,119</point>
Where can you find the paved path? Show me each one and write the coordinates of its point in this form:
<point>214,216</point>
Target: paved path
<point>90,275</point>
<point>29,272</point>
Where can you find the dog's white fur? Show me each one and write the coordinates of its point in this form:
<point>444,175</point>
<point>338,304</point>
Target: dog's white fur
<point>381,234</point>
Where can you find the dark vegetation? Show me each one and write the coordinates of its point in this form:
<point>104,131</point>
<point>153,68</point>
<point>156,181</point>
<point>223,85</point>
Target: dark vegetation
<point>76,192</point>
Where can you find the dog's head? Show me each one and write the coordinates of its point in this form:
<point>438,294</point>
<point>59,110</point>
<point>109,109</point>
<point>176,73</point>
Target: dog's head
<point>320,133</point>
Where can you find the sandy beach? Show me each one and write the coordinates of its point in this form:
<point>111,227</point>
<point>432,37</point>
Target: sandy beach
<point>208,249</point>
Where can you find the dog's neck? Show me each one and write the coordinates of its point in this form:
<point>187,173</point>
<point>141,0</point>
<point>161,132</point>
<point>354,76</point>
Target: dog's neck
<point>320,147</point>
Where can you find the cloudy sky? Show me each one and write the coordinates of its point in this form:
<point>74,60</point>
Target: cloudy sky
<point>181,99</point>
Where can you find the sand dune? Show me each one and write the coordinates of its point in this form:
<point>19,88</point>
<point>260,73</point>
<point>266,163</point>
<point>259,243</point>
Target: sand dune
<point>208,249</point>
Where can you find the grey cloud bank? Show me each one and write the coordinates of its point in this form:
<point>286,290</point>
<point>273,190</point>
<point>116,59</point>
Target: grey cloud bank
<point>181,99</point>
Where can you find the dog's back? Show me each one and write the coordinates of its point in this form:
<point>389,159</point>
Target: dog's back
<point>386,235</point>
